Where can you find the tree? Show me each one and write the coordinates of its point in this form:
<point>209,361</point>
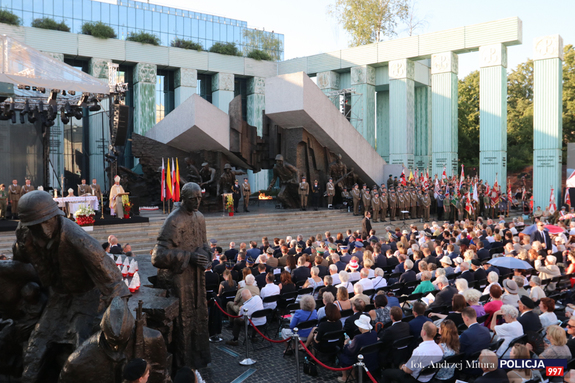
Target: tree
<point>144,38</point>
<point>259,55</point>
<point>468,120</point>
<point>8,17</point>
<point>98,30</point>
<point>187,44</point>
<point>263,41</point>
<point>413,22</point>
<point>229,49</point>
<point>568,98</point>
<point>48,23</point>
<point>369,21</point>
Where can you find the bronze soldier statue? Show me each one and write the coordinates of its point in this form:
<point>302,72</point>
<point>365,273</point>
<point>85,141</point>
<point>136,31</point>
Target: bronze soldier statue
<point>192,175</point>
<point>338,171</point>
<point>208,175</point>
<point>227,179</point>
<point>289,179</point>
<point>183,253</point>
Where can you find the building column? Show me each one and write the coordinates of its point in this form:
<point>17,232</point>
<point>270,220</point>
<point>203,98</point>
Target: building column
<point>56,141</point>
<point>255,109</point>
<point>547,118</point>
<point>402,112</point>
<point>222,90</point>
<point>382,127</point>
<point>185,85</point>
<point>444,93</point>
<point>363,101</point>
<point>99,127</point>
<point>328,82</point>
<point>422,128</point>
<point>144,97</point>
<point>493,114</point>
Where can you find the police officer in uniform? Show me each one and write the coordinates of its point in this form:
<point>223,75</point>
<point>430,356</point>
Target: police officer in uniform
<point>315,193</point>
<point>14,192</point>
<point>375,206</point>
<point>330,190</point>
<point>303,192</point>
<point>383,203</point>
<point>392,203</point>
<point>356,196</point>
<point>236,194</point>
<point>366,199</point>
<point>3,199</point>
<point>246,191</point>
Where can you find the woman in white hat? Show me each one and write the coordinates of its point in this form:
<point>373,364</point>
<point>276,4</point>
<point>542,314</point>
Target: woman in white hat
<point>446,263</point>
<point>352,268</point>
<point>367,337</point>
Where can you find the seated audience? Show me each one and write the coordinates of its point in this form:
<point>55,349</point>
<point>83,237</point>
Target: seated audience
<point>351,349</point>
<point>507,331</point>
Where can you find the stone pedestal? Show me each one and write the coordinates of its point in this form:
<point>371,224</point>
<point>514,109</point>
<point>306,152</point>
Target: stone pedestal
<point>444,93</point>
<point>222,90</point>
<point>382,108</point>
<point>493,114</point>
<point>401,112</point>
<point>363,101</point>
<point>547,118</point>
<point>185,85</point>
<point>145,97</point>
<point>422,150</point>
<point>255,109</point>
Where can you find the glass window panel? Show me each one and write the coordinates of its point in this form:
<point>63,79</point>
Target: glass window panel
<point>164,25</point>
<point>131,17</point>
<point>171,24</point>
<point>58,8</point>
<point>195,25</point>
<point>165,38</point>
<point>230,31</point>
<point>122,32</point>
<point>216,31</point>
<point>179,25</point>
<point>76,25</point>
<point>208,44</point>
<point>39,7</point>
<point>152,7</point>
<point>28,17</point>
<point>209,30</point>
<point>156,21</point>
<point>28,5</point>
<point>224,34</point>
<point>114,13</point>
<point>96,11</point>
<point>148,20</point>
<point>187,29</point>
<point>105,13</point>
<point>123,16</point>
<point>86,10</point>
<point>237,35</point>
<point>140,19</point>
<point>202,29</point>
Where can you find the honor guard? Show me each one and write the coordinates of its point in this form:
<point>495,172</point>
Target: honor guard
<point>14,192</point>
<point>392,203</point>
<point>390,182</point>
<point>3,201</point>
<point>84,189</point>
<point>383,203</point>
<point>426,205</point>
<point>375,206</point>
<point>366,199</point>
<point>446,206</point>
<point>303,192</point>
<point>330,190</point>
<point>246,192</point>
<point>356,196</point>
<point>27,188</point>
<point>400,203</point>
<point>420,203</point>
<point>413,202</point>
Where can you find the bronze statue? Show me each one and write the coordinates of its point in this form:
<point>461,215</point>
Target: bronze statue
<point>82,280</point>
<point>192,175</point>
<point>208,176</point>
<point>288,175</point>
<point>183,252</point>
<point>120,339</point>
<point>227,179</point>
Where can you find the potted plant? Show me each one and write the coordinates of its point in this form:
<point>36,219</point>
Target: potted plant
<point>85,217</point>
<point>127,206</point>
<point>230,205</point>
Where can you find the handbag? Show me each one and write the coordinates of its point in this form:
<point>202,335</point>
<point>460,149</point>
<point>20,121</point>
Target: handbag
<point>309,367</point>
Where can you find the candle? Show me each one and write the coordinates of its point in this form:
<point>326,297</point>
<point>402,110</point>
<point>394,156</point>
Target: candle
<point>55,193</point>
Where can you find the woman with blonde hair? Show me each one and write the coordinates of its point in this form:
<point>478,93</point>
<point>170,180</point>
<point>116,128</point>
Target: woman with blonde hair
<point>519,351</point>
<point>558,348</point>
<point>449,343</point>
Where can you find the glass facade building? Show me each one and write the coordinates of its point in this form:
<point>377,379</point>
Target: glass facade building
<point>127,16</point>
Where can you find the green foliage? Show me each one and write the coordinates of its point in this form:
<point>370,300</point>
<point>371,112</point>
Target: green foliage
<point>144,38</point>
<point>98,29</point>
<point>369,21</point>
<point>520,117</point>
<point>257,54</point>
<point>8,17</point>
<point>263,41</point>
<point>187,44</point>
<point>229,49</point>
<point>568,97</point>
<point>48,23</point>
<point>468,120</point>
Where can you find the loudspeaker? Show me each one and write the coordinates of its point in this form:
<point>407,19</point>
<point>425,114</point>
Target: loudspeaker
<point>120,122</point>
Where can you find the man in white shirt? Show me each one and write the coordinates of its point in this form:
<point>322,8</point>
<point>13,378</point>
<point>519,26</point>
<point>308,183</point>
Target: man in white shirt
<point>426,353</point>
<point>364,281</point>
<point>270,289</point>
<point>379,281</point>
<point>252,304</point>
<point>334,275</point>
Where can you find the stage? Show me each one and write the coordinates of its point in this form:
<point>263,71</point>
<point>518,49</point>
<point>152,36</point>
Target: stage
<point>10,225</point>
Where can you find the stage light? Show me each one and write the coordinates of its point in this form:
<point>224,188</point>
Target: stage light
<point>42,90</point>
<point>52,112</point>
<point>94,106</point>
<point>68,110</point>
<point>64,115</point>
<point>78,112</point>
<point>27,87</point>
<point>84,100</point>
<point>13,112</point>
<point>33,115</point>
<point>53,96</point>
<point>72,92</point>
<point>64,93</point>
<point>22,120</point>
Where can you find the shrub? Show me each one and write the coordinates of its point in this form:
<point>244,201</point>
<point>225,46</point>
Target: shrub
<point>259,55</point>
<point>99,30</point>
<point>144,38</point>
<point>48,23</point>
<point>187,44</point>
<point>8,17</point>
<point>229,49</point>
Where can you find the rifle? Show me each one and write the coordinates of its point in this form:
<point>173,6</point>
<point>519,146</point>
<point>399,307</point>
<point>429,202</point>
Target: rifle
<point>139,341</point>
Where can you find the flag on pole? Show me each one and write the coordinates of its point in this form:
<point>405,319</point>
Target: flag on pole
<point>462,178</point>
<point>487,190</point>
<point>509,194</point>
<point>416,175</point>
<point>173,180</point>
<point>444,174</point>
<point>163,185</point>
<point>496,184</point>
<point>410,176</point>
<point>437,188</point>
<point>468,205</point>
<point>475,195</point>
<point>402,178</point>
<point>177,183</point>
<point>552,206</point>
<point>169,194</point>
<point>567,198</point>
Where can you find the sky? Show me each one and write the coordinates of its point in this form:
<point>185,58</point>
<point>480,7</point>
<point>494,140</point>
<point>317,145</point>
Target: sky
<point>308,28</point>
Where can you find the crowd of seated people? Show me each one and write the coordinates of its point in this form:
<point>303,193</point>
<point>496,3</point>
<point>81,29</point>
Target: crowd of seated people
<point>434,290</point>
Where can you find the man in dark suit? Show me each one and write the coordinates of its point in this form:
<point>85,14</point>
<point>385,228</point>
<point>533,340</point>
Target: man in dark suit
<point>379,257</point>
<point>528,319</point>
<point>542,236</point>
<point>399,268</point>
<point>445,295</point>
<point>366,224</point>
<point>301,273</point>
<point>490,366</point>
<point>482,252</point>
<point>212,279</point>
<point>392,260</point>
<point>408,275</point>
<point>419,319</point>
<point>349,327</point>
<point>428,257</point>
<point>476,337</point>
<point>261,277</point>
<point>397,330</point>
<point>489,268</point>
<point>241,263</point>
<point>466,274</point>
<point>232,253</point>
<point>478,273</point>
<point>221,267</point>
<point>329,287</point>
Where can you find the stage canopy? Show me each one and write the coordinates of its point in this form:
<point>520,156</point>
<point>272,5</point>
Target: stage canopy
<point>23,65</point>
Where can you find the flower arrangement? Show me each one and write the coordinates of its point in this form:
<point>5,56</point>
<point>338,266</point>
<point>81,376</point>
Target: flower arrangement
<point>85,215</point>
<point>229,204</point>
<point>127,206</point>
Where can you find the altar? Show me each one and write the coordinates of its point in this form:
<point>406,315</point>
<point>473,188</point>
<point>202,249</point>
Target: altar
<point>71,204</point>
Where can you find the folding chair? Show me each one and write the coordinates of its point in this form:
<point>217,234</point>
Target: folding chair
<point>267,313</point>
<point>401,350</point>
<point>335,340</point>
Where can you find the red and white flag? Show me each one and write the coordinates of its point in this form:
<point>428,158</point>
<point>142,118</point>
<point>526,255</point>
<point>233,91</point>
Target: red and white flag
<point>163,191</point>
<point>462,178</point>
<point>552,206</point>
<point>487,190</point>
<point>402,178</point>
<point>444,174</point>
<point>567,198</point>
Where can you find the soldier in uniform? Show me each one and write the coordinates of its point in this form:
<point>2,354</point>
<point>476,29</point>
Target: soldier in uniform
<point>413,202</point>
<point>366,199</point>
<point>375,206</point>
<point>390,182</point>
<point>315,194</point>
<point>27,188</point>
<point>420,203</point>
<point>400,203</point>
<point>383,202</point>
<point>346,197</point>
<point>303,192</point>
<point>426,205</point>
<point>84,189</point>
<point>236,194</point>
<point>395,182</point>
<point>14,192</point>
<point>460,207</point>
<point>356,195</point>
<point>246,192</point>
<point>3,199</point>
<point>503,205</point>
<point>330,190</point>
<point>446,206</point>
<point>392,203</point>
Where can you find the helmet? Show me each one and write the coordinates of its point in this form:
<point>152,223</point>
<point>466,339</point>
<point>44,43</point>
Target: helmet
<point>279,157</point>
<point>117,322</point>
<point>227,166</point>
<point>36,207</point>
